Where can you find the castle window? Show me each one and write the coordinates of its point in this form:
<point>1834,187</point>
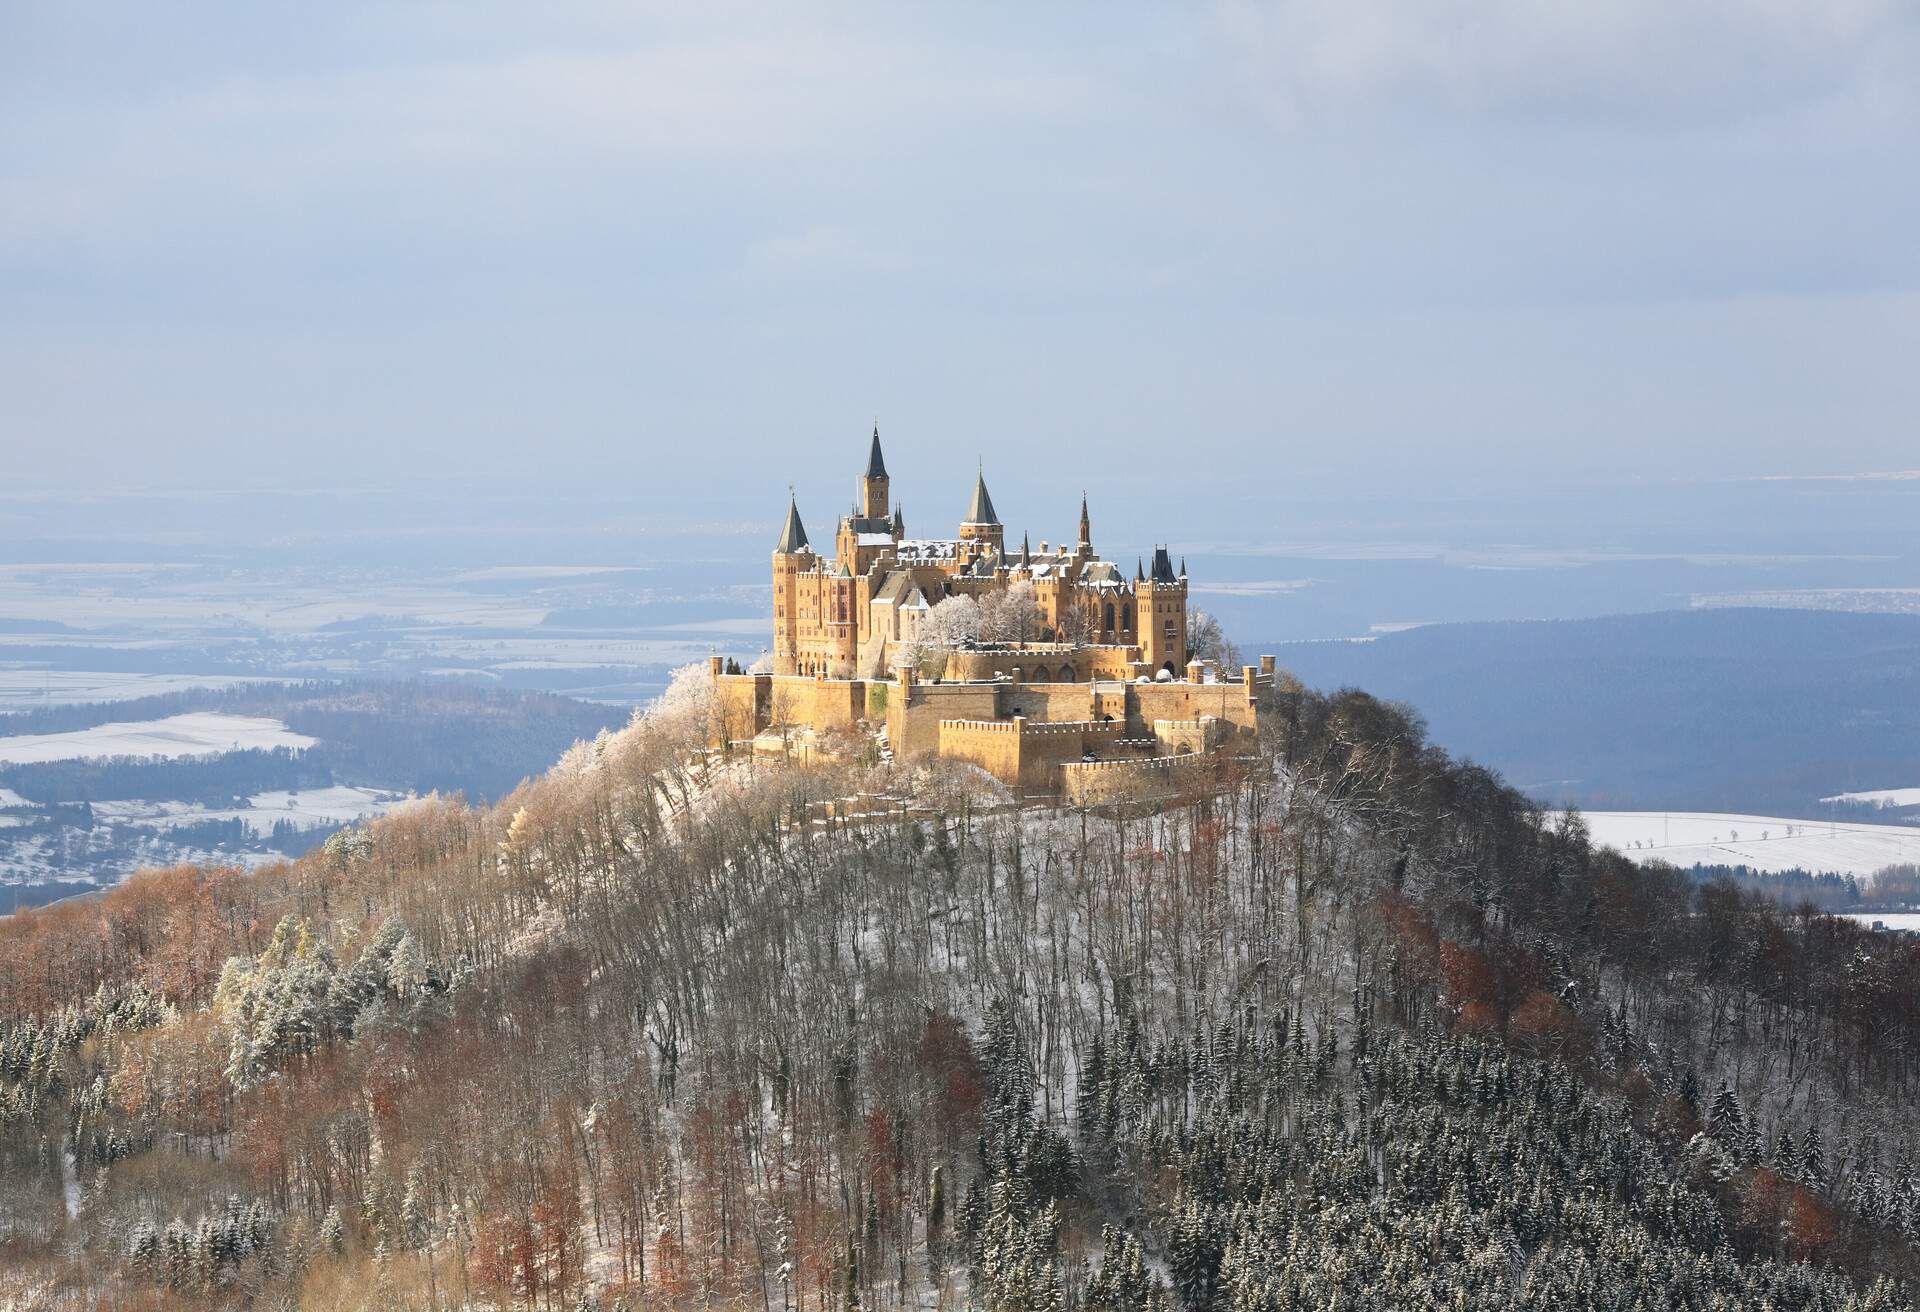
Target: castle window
<point>1108,616</point>
<point>1066,674</point>
<point>1126,616</point>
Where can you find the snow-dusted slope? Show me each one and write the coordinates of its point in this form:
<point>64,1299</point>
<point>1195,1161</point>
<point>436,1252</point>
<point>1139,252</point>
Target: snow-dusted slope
<point>1764,842</point>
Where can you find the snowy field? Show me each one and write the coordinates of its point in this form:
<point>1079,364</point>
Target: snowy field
<point>1883,797</point>
<point>202,733</point>
<point>1764,842</point>
<point>1907,920</point>
<point>308,809</point>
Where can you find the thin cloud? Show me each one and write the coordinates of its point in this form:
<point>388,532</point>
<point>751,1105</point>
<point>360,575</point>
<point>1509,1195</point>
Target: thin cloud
<point>1663,61</point>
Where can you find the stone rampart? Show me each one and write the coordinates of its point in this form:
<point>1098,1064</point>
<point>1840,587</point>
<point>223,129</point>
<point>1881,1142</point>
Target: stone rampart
<point>1091,783</point>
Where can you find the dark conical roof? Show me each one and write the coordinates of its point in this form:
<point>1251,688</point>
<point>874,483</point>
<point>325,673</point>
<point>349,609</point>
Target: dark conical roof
<point>793,534</point>
<point>980,509</point>
<point>1162,566</point>
<point>876,466</point>
<point>899,522</point>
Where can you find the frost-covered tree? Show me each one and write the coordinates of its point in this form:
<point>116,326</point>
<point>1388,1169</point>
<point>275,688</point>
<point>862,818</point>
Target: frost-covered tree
<point>953,620</point>
<point>1012,614</point>
<point>685,711</point>
<point>1208,641</point>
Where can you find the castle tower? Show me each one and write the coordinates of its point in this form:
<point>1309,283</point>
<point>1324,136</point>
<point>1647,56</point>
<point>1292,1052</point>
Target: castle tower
<point>873,484</point>
<point>982,525</point>
<point>792,556</point>
<point>1161,598</point>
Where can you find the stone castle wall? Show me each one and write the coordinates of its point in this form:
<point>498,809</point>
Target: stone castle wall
<point>1020,752</point>
<point>1231,702</point>
<point>1049,701</point>
<point>1036,737</point>
<point>914,712</point>
<point>1091,783</point>
<point>745,704</point>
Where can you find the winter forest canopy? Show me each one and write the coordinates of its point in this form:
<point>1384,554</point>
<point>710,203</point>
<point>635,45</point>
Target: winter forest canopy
<point>1356,1027</point>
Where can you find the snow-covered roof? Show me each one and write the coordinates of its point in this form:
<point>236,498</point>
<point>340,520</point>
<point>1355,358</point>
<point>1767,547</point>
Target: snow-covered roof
<point>874,539</point>
<point>926,549</point>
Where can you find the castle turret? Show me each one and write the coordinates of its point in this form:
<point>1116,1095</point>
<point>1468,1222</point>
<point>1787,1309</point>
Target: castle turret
<point>793,534</point>
<point>982,524</point>
<point>1086,528</point>
<point>1162,602</point>
<point>792,555</point>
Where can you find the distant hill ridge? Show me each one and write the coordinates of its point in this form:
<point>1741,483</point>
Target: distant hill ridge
<point>1765,710</point>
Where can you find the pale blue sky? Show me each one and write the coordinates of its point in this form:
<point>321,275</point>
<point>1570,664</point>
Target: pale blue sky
<point>1429,243</point>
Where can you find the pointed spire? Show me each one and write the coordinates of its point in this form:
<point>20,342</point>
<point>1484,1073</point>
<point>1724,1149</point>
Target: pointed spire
<point>876,466</point>
<point>793,536</point>
<point>980,509</point>
<point>1026,553</point>
<point>1183,567</point>
<point>1139,571</point>
<point>1086,525</point>
<point>1162,566</point>
<point>899,522</point>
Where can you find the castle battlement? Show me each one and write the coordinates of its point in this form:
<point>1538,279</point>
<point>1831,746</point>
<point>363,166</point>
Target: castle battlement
<point>1040,728</point>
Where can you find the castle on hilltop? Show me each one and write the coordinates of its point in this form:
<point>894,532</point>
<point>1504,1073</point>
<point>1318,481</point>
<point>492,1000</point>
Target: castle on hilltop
<point>1047,667</point>
<point>849,617</point>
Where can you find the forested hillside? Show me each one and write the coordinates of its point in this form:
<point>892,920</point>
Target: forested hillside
<point>1356,1030</point>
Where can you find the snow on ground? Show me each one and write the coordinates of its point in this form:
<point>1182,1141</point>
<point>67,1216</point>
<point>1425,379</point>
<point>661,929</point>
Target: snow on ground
<point>1882,797</point>
<point>1907,920</point>
<point>70,1184</point>
<point>201,733</point>
<point>1766,843</point>
<point>307,809</point>
<point>10,798</point>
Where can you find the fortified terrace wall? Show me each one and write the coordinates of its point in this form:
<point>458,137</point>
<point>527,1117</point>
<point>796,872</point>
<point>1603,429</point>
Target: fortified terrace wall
<point>1036,738</point>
